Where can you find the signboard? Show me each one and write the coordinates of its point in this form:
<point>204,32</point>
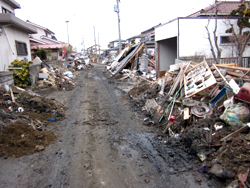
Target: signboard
<point>63,51</point>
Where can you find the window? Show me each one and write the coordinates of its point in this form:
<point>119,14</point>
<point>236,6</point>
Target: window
<point>4,10</point>
<point>225,40</point>
<point>21,48</point>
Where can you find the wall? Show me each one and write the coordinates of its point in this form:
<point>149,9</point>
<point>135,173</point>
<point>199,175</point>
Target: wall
<point>39,33</point>
<point>6,78</point>
<point>166,31</point>
<point>8,51</point>
<point>7,6</point>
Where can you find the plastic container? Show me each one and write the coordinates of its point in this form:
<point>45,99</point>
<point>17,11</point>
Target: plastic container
<point>244,93</point>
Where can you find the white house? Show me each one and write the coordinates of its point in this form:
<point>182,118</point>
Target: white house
<point>185,38</point>
<point>14,35</point>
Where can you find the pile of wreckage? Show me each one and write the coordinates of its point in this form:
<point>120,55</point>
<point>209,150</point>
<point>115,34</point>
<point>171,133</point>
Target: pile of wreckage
<point>53,77</point>
<point>133,60</point>
<point>203,108</point>
<point>25,119</point>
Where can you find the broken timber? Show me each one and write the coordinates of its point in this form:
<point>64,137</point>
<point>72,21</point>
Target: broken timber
<point>127,59</point>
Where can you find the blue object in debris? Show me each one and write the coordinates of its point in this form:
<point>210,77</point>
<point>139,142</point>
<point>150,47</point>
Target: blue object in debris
<point>68,66</point>
<point>219,95</point>
<point>52,119</point>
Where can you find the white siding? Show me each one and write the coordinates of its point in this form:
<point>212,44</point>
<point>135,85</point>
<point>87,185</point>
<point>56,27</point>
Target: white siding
<point>169,30</point>
<point>8,51</point>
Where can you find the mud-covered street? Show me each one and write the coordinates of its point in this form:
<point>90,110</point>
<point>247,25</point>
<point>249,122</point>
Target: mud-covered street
<point>102,142</point>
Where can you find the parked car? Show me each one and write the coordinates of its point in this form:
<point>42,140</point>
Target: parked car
<point>85,59</point>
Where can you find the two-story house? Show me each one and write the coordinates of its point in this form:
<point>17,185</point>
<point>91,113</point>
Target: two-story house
<point>14,35</point>
<point>45,38</point>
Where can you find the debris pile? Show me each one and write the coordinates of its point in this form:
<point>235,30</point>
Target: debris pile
<point>132,61</point>
<point>205,108</point>
<point>25,119</point>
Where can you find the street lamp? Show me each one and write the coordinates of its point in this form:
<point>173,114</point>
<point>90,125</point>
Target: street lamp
<point>116,9</point>
<point>67,30</point>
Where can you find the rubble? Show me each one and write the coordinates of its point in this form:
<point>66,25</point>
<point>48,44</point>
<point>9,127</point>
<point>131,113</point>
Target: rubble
<point>25,125</point>
<point>209,106</point>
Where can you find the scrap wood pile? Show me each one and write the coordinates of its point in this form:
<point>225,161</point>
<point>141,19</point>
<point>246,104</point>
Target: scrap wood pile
<point>207,110</point>
<point>25,119</point>
<point>132,61</point>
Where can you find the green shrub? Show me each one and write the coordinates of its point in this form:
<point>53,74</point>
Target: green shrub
<point>21,76</point>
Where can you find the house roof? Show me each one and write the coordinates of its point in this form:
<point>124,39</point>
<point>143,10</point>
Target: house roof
<point>224,8</point>
<point>136,36</point>
<point>53,40</point>
<point>35,40</point>
<point>11,19</point>
<point>13,3</point>
<point>50,46</point>
<point>117,40</point>
<point>151,29</point>
<point>41,27</point>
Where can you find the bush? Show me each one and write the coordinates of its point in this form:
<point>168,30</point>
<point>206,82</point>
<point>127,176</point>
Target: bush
<point>21,76</point>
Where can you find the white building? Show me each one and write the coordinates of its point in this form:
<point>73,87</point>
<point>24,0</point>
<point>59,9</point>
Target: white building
<point>14,35</point>
<point>185,38</point>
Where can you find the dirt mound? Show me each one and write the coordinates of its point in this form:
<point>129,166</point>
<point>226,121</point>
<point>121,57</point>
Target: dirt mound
<point>20,139</point>
<point>25,118</point>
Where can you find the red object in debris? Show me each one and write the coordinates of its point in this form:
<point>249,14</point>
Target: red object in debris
<point>244,92</point>
<point>172,118</point>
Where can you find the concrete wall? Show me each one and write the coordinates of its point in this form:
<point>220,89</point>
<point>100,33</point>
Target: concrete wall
<point>6,78</point>
<point>8,52</point>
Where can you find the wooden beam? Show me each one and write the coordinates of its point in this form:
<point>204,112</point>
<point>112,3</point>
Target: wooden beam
<point>238,74</point>
<point>234,133</point>
<point>220,74</point>
<point>234,68</point>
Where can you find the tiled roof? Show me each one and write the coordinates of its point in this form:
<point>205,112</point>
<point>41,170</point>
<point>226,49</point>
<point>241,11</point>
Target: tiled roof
<point>224,7</point>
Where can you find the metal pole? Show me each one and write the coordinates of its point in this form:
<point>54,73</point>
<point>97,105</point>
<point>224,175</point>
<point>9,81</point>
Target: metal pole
<point>120,47</point>
<point>95,41</point>
<point>99,49</point>
<point>67,30</point>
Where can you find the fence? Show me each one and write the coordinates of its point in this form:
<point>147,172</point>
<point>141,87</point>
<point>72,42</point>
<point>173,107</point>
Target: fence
<point>245,61</point>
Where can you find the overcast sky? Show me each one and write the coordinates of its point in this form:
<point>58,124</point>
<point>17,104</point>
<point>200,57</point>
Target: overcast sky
<point>83,15</point>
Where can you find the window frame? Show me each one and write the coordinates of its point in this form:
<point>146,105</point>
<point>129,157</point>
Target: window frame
<point>225,38</point>
<point>5,10</point>
<point>21,52</point>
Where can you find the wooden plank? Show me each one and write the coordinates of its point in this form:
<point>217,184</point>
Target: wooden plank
<point>234,133</point>
<point>12,95</point>
<point>220,73</point>
<point>238,74</point>
<point>186,113</point>
<point>234,68</point>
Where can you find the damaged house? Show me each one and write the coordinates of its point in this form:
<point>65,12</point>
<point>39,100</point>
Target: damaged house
<point>186,38</point>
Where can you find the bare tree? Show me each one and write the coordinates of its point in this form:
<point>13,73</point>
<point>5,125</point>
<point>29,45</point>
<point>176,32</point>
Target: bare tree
<point>240,37</point>
<point>216,51</point>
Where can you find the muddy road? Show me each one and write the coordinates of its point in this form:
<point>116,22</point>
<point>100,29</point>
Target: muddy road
<point>102,142</point>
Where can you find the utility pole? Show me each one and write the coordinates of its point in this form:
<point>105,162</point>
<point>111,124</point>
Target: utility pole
<point>67,30</point>
<point>99,49</point>
<point>118,11</point>
<point>95,40</point>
